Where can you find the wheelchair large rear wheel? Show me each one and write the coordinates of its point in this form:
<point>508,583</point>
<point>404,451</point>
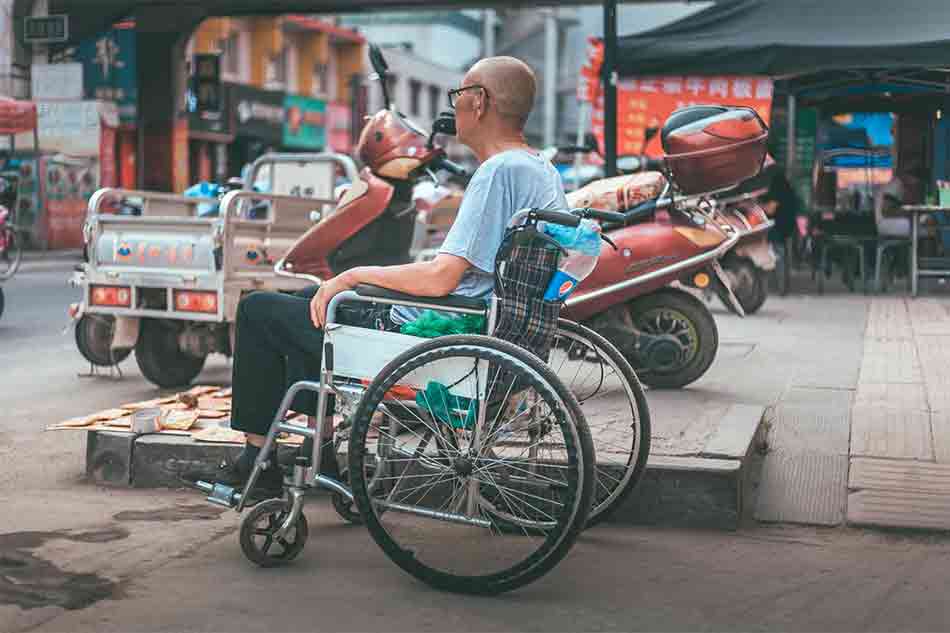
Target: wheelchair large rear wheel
<point>482,494</point>
<point>615,407</point>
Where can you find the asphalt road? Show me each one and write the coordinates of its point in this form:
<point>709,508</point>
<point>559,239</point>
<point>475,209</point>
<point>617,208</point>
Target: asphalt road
<point>77,557</point>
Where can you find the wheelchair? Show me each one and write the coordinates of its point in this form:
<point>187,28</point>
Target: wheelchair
<point>469,458</point>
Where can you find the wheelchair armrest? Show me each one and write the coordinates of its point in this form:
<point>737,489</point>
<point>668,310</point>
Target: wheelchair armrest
<point>449,301</point>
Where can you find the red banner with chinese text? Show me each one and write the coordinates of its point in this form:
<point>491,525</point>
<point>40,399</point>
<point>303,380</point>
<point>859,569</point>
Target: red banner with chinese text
<point>649,101</point>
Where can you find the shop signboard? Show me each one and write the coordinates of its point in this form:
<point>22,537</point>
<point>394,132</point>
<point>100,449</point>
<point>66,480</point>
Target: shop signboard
<point>305,124</point>
<point>109,70</point>
<point>338,127</point>
<point>56,82</point>
<point>648,101</point>
<point>258,113</point>
<point>68,127</point>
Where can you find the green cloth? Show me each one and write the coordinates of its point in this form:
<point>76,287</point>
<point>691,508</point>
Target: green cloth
<point>455,411</point>
<point>431,324</point>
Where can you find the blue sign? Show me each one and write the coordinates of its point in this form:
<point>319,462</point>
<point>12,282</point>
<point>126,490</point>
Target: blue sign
<point>109,70</point>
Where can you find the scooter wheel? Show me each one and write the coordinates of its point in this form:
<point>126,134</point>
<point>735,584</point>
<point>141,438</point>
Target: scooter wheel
<point>258,537</point>
<point>679,316</point>
<point>749,284</point>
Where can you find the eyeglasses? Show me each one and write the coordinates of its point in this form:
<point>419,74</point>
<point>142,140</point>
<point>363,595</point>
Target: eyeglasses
<point>454,94</point>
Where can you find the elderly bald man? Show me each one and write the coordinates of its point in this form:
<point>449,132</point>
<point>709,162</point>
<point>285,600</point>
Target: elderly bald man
<point>279,337</point>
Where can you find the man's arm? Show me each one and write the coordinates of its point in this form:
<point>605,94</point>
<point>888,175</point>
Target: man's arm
<point>435,278</point>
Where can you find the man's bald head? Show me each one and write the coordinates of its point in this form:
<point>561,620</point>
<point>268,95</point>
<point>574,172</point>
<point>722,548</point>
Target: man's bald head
<point>510,84</point>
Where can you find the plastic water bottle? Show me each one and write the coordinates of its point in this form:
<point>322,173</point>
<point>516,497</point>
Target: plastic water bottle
<point>582,244</point>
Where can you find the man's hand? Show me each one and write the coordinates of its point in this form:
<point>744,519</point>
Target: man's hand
<point>320,301</point>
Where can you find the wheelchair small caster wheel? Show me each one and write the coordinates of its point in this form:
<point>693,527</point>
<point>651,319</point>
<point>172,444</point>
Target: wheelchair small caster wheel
<point>258,540</point>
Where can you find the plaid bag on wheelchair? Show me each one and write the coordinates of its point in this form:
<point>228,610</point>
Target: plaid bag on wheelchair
<point>524,266</point>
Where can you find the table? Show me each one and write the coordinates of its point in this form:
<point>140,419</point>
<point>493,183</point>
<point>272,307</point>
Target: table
<point>916,211</point>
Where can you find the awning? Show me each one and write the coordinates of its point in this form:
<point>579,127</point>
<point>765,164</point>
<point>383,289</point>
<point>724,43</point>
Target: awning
<point>877,39</point>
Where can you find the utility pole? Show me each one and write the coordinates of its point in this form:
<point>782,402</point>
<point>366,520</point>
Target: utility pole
<point>550,77</point>
<point>488,33</point>
<point>609,75</point>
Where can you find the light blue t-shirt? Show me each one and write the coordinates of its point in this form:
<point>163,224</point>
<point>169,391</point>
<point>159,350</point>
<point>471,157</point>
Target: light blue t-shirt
<point>501,186</point>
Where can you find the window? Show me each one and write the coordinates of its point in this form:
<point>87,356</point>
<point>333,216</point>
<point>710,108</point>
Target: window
<point>321,79</point>
<point>277,69</point>
<point>415,96</point>
<point>435,96</point>
<point>230,55</point>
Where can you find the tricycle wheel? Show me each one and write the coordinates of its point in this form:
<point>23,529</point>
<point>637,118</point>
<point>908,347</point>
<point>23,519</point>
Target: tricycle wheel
<point>93,335</point>
<point>258,540</point>
<point>160,358</point>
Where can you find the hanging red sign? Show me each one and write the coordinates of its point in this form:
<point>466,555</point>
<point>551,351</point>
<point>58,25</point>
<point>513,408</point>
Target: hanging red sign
<point>648,101</point>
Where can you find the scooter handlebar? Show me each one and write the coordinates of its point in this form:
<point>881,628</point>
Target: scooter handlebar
<point>453,168</point>
<point>599,214</point>
<point>558,217</point>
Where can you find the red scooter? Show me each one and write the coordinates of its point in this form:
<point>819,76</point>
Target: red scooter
<point>667,333</point>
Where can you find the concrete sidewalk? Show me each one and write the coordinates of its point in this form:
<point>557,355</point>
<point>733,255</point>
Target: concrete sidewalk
<point>862,435</point>
<point>900,422</point>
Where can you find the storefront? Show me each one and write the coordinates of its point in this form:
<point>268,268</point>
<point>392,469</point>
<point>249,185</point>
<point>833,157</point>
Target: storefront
<point>860,103</point>
<point>258,118</point>
<point>54,184</point>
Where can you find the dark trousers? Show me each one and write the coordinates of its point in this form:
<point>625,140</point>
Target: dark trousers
<point>276,345</point>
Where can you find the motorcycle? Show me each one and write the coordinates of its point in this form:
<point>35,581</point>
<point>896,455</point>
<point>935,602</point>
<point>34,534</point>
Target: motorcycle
<point>750,263</point>
<point>669,333</point>
<point>11,247</point>
<point>665,332</point>
<point>375,219</point>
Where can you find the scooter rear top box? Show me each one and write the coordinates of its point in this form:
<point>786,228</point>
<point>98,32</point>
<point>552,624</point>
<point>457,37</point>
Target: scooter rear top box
<point>709,148</point>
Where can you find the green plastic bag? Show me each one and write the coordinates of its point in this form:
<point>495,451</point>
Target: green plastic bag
<point>456,411</point>
<point>431,324</point>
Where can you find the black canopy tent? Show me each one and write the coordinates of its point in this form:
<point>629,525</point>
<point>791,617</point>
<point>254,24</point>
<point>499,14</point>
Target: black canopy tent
<point>811,47</point>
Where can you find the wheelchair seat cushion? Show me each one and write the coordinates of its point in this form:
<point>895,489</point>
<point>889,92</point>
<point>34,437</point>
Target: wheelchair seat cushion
<point>620,193</point>
<point>450,301</point>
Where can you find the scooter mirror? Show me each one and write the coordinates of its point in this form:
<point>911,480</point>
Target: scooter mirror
<point>629,164</point>
<point>377,60</point>
<point>591,141</point>
<point>444,124</point>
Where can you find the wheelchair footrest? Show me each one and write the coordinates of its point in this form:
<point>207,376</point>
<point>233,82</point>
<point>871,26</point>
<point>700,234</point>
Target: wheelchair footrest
<point>219,494</point>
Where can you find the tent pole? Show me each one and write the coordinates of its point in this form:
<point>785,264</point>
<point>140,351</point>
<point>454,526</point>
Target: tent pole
<point>610,88</point>
<point>790,154</point>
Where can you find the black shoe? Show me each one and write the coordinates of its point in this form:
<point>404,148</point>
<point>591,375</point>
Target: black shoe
<point>329,466</point>
<point>270,483</point>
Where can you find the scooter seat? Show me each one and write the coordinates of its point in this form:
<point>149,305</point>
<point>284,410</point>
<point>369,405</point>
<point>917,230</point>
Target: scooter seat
<point>621,193</point>
<point>449,301</point>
